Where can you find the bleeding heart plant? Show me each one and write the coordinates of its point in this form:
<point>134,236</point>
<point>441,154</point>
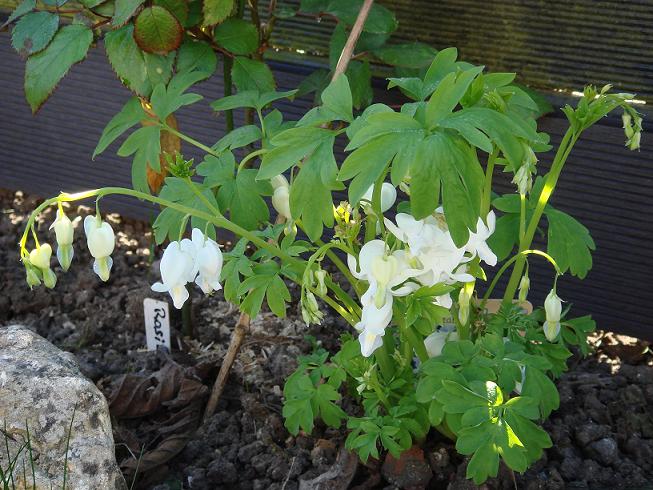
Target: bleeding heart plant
<point>410,246</point>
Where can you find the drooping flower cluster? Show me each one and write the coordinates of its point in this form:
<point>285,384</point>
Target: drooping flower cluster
<point>429,257</point>
<point>197,260</point>
<point>100,240</point>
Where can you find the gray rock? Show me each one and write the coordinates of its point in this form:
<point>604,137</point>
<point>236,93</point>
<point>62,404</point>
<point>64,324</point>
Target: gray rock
<point>40,389</point>
<point>605,451</point>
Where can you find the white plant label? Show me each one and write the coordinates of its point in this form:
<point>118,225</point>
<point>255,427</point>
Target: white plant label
<point>157,323</point>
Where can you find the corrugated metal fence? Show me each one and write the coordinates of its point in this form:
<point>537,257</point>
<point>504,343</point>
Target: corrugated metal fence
<point>606,187</point>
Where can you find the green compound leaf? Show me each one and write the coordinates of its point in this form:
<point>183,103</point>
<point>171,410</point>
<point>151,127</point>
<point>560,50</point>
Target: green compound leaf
<point>124,9</point>
<point>337,99</point>
<point>145,145</point>
<point>569,243</point>
<point>249,74</point>
<point>44,70</point>
<point>310,192</point>
<point>157,31</point>
<point>237,35</point>
<point>33,32</point>
<point>130,115</point>
<point>215,11</point>
<point>169,221</point>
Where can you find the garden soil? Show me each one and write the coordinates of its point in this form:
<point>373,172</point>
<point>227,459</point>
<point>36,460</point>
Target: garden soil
<point>602,434</point>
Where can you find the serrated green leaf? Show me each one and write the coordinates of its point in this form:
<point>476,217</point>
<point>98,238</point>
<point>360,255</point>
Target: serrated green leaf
<point>178,8</point>
<point>124,9</point>
<point>237,35</point>
<point>33,32</point>
<point>127,60</point>
<point>45,69</point>
<point>248,74</point>
<point>23,7</point>
<point>215,11</point>
<point>157,31</point>
<point>197,56</point>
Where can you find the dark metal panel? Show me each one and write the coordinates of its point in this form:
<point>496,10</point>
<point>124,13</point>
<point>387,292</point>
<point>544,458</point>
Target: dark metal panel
<point>606,187</point>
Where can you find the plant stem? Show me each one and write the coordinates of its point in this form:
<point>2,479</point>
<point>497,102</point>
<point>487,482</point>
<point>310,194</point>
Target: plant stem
<point>522,217</point>
<point>350,45</point>
<point>550,182</point>
<point>382,355</point>
<point>218,220</point>
<point>487,185</point>
<point>190,140</point>
<point>227,65</point>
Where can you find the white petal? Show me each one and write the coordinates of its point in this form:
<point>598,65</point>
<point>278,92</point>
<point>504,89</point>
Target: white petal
<point>371,250</point>
<point>179,295</point>
<point>369,342</point>
<point>159,287</point>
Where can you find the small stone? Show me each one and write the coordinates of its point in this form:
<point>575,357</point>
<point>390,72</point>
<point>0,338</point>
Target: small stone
<point>409,471</point>
<point>221,471</point>
<point>591,432</point>
<point>324,453</point>
<point>246,453</point>
<point>605,451</point>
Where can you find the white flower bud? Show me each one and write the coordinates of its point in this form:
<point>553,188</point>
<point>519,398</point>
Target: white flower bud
<point>524,286</point>
<point>101,242</point>
<point>40,256</point>
<point>63,228</point>
<point>388,196</point>
<point>553,310</point>
<point>281,201</point>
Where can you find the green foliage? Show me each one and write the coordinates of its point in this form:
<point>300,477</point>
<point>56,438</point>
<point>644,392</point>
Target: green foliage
<point>45,69</point>
<point>238,36</point>
<point>124,10</point>
<point>312,392</point>
<point>569,242</point>
<point>251,74</point>
<point>33,32</point>
<point>215,11</point>
<point>157,31</point>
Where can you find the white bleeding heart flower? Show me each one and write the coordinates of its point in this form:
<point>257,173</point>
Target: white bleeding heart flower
<point>208,262</point>
<point>434,343</point>
<point>40,258</point>
<point>383,270</point>
<point>524,286</point>
<point>101,241</point>
<point>553,310</point>
<point>177,269</point>
<point>374,321</point>
<point>64,231</point>
<point>476,245</point>
<point>388,196</point>
<point>430,243</point>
